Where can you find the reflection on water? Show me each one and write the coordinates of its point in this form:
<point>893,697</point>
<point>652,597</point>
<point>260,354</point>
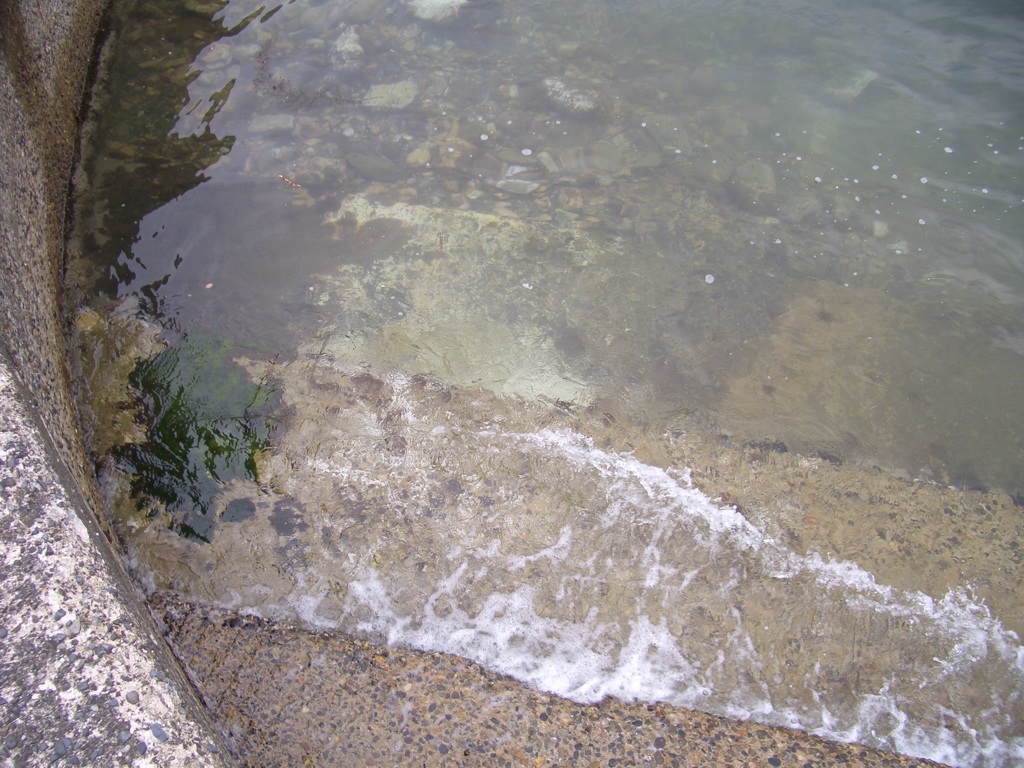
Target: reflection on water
<point>509,270</point>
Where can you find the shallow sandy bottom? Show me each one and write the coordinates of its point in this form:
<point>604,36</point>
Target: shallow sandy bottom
<point>286,697</point>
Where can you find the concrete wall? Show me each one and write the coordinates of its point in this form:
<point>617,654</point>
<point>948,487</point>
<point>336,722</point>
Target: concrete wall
<point>84,678</point>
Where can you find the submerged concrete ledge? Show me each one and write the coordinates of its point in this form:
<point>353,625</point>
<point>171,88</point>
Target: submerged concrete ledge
<point>85,678</point>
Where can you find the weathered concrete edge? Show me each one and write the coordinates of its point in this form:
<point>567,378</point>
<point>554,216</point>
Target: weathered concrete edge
<point>84,675</point>
<point>85,678</point>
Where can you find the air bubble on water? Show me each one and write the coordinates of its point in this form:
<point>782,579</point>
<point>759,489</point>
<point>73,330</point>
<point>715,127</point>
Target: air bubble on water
<point>921,222</point>
<point>924,179</point>
<point>527,152</point>
<point>709,279</point>
<point>948,150</point>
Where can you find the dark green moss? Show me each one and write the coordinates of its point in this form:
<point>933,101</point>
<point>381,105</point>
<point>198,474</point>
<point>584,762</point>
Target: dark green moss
<point>206,423</point>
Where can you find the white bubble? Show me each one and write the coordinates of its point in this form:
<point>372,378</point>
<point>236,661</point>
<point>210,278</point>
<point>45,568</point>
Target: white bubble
<point>709,279</point>
<point>922,222</point>
<point>527,152</point>
<point>948,150</point>
<point>924,179</point>
<point>484,137</point>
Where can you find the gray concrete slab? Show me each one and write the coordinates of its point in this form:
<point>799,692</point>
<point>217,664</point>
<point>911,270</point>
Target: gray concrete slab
<point>84,679</point>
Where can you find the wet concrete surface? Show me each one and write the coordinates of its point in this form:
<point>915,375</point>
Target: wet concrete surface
<point>287,697</point>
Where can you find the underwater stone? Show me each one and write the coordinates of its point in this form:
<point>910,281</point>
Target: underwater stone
<point>849,89</point>
<point>374,167</point>
<point>357,11</point>
<point>347,52</point>
<point>637,148</point>
<point>436,10</point>
<point>392,95</point>
<point>668,132</point>
<point>271,124</point>
<point>753,186</point>
<point>571,101</point>
<point>517,186</point>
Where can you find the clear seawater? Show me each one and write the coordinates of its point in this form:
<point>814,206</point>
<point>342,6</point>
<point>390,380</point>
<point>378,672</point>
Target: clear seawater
<point>417,320</point>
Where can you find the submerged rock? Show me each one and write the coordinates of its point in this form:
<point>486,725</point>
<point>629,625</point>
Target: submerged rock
<point>359,11</point>
<point>272,124</point>
<point>517,186</point>
<point>374,167</point>
<point>637,148</point>
<point>846,90</point>
<point>753,187</point>
<point>436,10</point>
<point>571,101</point>
<point>668,132</point>
<point>347,52</point>
<point>392,95</point>
<point>600,162</point>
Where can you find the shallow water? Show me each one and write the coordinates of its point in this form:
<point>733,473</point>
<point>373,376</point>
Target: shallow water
<point>433,316</point>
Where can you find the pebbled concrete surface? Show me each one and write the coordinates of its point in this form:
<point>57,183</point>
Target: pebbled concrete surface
<point>83,678</point>
<point>295,698</point>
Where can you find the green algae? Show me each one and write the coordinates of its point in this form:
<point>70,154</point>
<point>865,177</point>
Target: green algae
<point>205,424</point>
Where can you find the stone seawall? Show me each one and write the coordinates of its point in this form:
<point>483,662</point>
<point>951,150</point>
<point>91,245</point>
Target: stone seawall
<point>85,679</point>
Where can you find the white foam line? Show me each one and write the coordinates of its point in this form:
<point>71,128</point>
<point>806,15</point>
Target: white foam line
<point>575,660</point>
